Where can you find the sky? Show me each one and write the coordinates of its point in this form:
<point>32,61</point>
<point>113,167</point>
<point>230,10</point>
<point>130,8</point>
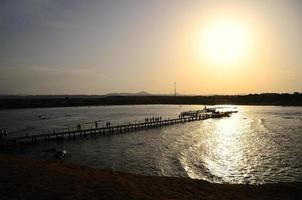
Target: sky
<point>99,47</point>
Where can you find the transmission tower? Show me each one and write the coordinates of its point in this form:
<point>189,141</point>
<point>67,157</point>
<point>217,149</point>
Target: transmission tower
<point>174,88</point>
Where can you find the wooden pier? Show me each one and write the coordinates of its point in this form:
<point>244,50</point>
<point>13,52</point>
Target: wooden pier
<point>108,130</point>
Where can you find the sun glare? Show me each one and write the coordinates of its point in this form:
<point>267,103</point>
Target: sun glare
<point>225,42</point>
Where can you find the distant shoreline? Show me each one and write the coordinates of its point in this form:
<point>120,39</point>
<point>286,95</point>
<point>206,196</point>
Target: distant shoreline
<point>48,101</point>
<point>25,178</point>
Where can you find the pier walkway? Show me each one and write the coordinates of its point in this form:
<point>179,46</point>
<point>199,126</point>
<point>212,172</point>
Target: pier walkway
<point>108,130</point>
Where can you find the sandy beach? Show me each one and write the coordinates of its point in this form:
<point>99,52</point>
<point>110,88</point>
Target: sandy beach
<point>24,178</point>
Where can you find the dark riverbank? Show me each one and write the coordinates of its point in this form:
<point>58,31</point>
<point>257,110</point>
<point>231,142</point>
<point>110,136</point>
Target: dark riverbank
<point>23,178</point>
<point>11,102</point>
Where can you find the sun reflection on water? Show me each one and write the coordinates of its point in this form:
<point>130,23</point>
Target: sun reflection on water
<point>226,149</point>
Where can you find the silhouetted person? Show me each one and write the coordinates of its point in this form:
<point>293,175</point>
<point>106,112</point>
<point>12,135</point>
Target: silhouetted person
<point>108,124</point>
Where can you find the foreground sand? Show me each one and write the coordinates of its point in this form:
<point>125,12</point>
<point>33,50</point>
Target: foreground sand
<point>23,178</point>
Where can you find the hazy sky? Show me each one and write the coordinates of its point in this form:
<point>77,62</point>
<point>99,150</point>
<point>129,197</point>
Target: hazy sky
<point>97,47</point>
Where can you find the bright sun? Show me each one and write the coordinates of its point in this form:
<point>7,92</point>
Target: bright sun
<point>225,42</point>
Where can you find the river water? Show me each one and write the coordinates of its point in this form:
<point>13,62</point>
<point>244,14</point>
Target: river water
<point>259,144</point>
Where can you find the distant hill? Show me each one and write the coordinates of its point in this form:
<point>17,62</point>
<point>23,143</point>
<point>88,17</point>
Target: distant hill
<point>12,101</point>
<point>143,93</point>
<point>23,96</point>
<point>26,96</point>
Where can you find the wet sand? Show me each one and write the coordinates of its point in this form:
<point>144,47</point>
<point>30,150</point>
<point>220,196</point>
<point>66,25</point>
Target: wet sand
<point>24,178</point>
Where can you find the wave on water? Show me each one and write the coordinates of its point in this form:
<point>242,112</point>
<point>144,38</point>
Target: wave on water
<point>197,169</point>
<point>259,125</point>
<point>192,157</point>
